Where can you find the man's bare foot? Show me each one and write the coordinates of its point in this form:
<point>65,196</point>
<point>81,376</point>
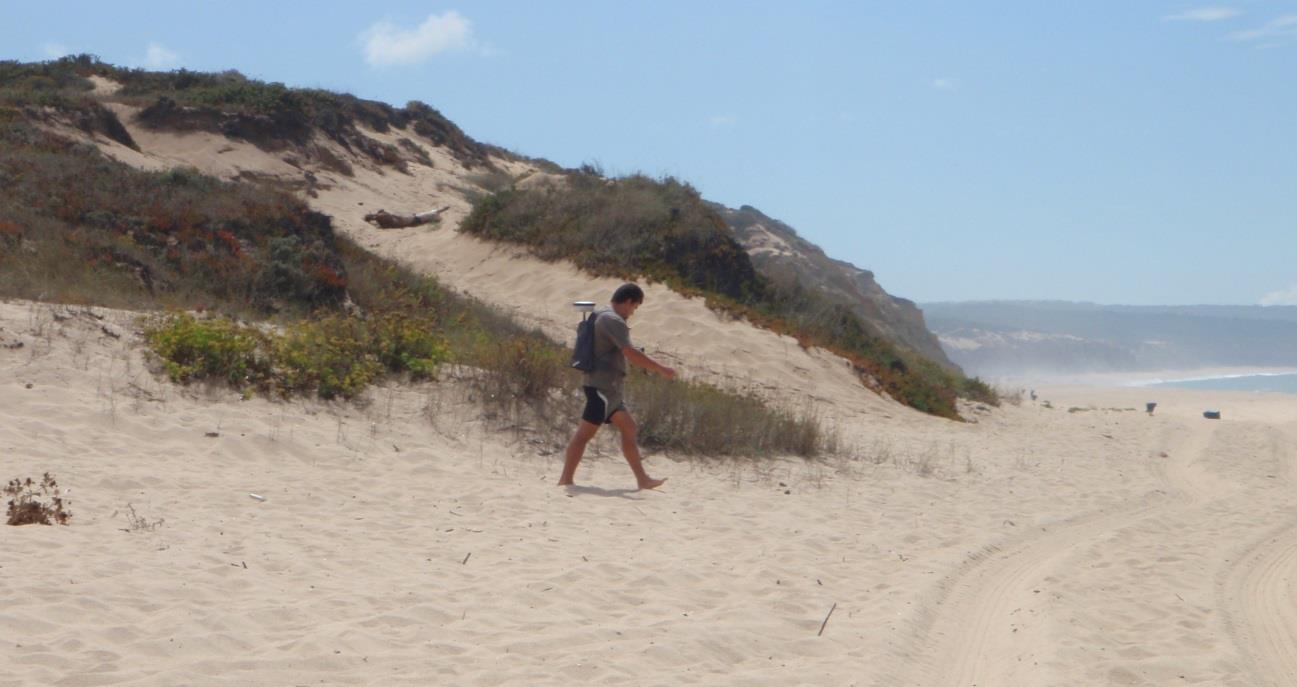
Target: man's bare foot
<point>565,483</point>
<point>650,483</point>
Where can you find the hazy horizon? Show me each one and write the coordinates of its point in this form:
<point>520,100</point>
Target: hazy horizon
<point>1050,301</point>
<point>1109,152</point>
<point>997,339</point>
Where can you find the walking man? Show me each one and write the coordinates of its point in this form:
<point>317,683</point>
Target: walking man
<point>603,385</point>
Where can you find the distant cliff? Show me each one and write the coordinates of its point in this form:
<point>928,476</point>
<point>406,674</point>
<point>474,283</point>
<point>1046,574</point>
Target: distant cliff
<point>786,258</point>
<point>1019,337</point>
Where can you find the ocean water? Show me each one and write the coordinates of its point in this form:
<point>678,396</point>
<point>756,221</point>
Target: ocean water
<point>1276,382</point>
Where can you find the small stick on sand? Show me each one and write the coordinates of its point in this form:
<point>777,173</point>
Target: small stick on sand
<point>826,619</point>
<point>465,561</point>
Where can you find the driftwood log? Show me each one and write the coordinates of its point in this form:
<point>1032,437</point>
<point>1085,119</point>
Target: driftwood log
<point>386,220</point>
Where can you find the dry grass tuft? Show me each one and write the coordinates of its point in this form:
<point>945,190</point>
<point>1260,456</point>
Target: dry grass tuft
<point>138,523</point>
<point>34,503</point>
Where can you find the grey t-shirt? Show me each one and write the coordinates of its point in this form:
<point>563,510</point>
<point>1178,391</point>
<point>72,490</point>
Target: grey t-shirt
<point>611,334</point>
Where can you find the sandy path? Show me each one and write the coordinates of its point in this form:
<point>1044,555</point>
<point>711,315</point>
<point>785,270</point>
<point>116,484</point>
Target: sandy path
<point>1265,589</point>
<point>987,616</point>
<point>1261,588</point>
<point>1125,595</point>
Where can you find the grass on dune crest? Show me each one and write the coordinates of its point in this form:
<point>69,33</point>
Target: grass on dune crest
<point>270,115</point>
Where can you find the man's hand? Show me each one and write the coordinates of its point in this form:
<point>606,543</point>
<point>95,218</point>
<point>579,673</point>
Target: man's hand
<point>641,359</point>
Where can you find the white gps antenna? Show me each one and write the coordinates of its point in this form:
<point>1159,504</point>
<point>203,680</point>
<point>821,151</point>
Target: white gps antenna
<point>584,306</point>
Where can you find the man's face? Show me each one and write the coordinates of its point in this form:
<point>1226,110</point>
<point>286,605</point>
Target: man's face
<point>626,308</point>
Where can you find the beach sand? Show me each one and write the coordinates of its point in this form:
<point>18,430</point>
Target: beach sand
<point>402,541</point>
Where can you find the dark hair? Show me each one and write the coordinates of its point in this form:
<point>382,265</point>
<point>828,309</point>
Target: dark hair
<point>628,292</point>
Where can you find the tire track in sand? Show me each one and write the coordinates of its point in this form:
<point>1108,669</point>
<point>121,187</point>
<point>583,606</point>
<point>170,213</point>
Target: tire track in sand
<point>969,636</point>
<point>1259,591</point>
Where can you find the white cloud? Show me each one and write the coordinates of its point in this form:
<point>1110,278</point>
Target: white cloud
<point>55,50</point>
<point>1204,14</point>
<point>1284,297</point>
<point>1282,27</point>
<point>159,57</point>
<point>943,84</point>
<point>722,120</point>
<point>386,43</point>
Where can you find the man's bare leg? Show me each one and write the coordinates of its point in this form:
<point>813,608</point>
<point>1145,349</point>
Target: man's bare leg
<point>575,450</point>
<point>629,432</point>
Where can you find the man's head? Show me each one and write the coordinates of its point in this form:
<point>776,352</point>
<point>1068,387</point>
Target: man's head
<point>626,299</point>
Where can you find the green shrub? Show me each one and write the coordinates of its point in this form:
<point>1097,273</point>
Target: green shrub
<point>977,389</point>
<point>633,226</point>
<point>404,342</point>
<point>330,355</point>
<point>193,349</point>
<point>524,368</point>
<point>301,271</point>
<point>333,355</point>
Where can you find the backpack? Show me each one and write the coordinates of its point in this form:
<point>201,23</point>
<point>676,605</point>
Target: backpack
<point>583,357</point>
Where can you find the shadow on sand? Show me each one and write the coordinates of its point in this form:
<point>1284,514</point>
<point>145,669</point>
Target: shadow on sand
<point>575,490</point>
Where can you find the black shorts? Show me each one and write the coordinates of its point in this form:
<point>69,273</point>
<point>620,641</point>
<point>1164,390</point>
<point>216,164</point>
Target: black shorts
<point>596,407</point>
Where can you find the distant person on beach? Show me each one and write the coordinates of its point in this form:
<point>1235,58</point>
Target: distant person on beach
<point>603,385</point>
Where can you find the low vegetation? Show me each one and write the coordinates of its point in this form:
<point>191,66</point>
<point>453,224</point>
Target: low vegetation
<point>138,523</point>
<point>76,226</point>
<point>36,503</point>
<point>270,115</point>
<point>696,418</point>
<point>333,355</point>
<point>339,356</point>
<point>660,229</point>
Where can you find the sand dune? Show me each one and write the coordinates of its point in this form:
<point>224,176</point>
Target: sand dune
<point>703,344</point>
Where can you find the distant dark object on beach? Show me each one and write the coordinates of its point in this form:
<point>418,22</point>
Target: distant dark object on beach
<point>1149,407</point>
<point>1211,414</point>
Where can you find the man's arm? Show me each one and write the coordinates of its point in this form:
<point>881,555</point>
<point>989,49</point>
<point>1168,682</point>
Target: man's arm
<point>640,359</point>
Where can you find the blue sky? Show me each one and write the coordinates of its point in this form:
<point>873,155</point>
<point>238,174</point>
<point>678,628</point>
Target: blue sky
<point>1116,152</point>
